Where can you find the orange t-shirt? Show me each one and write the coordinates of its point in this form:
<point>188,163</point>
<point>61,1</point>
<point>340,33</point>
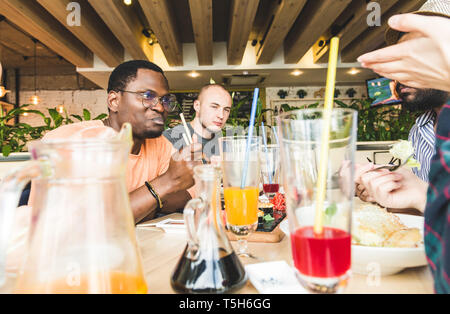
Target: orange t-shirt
<point>151,162</point>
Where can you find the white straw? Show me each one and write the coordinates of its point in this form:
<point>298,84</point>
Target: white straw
<point>186,139</point>
<point>188,133</point>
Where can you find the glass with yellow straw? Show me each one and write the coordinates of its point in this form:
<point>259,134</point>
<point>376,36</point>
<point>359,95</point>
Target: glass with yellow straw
<point>317,148</point>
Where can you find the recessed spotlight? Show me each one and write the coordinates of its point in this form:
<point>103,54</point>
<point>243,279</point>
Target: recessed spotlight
<point>353,71</point>
<point>127,2</point>
<point>296,73</point>
<point>194,74</point>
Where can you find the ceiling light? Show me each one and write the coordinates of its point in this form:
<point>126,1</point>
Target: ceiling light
<point>3,91</point>
<point>127,2</point>
<point>194,74</point>
<point>296,73</point>
<point>353,71</point>
<point>35,99</point>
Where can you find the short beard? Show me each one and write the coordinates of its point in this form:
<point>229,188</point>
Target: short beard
<point>424,99</point>
<point>148,135</point>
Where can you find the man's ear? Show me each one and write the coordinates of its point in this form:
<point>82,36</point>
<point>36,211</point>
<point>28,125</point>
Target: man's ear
<point>113,101</point>
<point>197,106</point>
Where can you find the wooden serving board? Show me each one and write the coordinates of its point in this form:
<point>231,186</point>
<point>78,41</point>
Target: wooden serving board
<point>267,237</point>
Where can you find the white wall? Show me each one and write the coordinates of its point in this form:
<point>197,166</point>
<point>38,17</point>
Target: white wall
<point>73,100</point>
<point>272,98</point>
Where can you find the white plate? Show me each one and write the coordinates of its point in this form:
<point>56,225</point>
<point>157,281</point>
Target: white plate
<point>383,261</point>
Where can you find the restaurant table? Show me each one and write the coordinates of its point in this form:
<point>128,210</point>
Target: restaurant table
<point>161,252</point>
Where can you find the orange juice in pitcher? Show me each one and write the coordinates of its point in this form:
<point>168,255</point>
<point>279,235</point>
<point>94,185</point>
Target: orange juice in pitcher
<point>114,282</point>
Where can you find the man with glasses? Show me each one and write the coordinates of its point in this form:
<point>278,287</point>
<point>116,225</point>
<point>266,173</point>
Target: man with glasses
<point>157,181</point>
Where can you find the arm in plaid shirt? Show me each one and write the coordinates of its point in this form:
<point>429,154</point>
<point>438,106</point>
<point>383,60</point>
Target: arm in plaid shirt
<point>437,213</point>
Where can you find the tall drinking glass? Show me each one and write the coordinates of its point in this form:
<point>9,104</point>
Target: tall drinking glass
<point>270,169</point>
<point>241,174</point>
<point>322,260</point>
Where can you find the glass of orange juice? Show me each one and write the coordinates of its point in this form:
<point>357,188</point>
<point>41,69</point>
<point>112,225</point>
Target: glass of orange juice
<point>241,176</point>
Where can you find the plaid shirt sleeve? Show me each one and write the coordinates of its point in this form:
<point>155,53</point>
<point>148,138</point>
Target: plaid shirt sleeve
<point>437,213</point>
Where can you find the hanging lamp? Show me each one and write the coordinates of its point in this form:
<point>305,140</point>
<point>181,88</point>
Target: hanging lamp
<point>35,98</point>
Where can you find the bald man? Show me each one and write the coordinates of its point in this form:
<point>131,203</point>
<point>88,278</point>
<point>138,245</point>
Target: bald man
<point>212,109</point>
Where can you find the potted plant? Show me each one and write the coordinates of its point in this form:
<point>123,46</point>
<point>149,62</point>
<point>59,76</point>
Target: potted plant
<point>351,92</point>
<point>337,93</point>
<point>380,124</point>
<point>282,93</point>
<point>301,93</point>
<point>13,138</point>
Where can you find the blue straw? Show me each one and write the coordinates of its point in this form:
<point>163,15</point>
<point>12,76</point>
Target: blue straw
<point>250,135</point>
<point>267,152</point>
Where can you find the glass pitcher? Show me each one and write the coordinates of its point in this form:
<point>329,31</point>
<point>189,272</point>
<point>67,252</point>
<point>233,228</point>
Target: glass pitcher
<point>208,263</point>
<point>82,237</point>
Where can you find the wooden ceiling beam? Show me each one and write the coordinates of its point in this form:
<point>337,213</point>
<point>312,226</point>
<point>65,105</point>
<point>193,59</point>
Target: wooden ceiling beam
<point>359,23</point>
<point>281,18</point>
<point>41,25</point>
<point>124,24</point>
<point>16,40</point>
<point>373,37</point>
<point>350,25</point>
<point>92,31</point>
<point>11,59</point>
<point>202,24</point>
<point>242,16</point>
<point>162,22</point>
<point>315,19</point>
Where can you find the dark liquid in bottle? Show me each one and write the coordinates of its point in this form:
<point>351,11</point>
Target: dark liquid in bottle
<point>208,276</point>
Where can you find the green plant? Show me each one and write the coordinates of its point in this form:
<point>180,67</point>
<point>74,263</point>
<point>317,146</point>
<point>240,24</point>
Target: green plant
<point>58,119</point>
<point>301,93</point>
<point>386,123</point>
<point>351,92</point>
<point>282,93</point>
<point>236,119</point>
<point>173,117</point>
<point>13,138</point>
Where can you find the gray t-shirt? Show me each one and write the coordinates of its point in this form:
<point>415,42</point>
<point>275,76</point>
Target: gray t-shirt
<point>210,146</point>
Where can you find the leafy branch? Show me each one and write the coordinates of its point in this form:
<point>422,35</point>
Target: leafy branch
<point>13,138</point>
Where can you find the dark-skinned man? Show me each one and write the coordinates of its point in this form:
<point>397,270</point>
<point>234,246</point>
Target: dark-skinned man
<point>157,176</point>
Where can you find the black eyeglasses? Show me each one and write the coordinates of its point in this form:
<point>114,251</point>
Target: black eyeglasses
<point>150,100</point>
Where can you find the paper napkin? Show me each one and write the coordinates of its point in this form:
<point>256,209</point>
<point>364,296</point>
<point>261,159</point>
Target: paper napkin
<point>274,278</point>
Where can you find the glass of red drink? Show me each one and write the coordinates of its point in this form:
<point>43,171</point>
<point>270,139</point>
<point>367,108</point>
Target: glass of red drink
<point>322,259</point>
<point>270,169</point>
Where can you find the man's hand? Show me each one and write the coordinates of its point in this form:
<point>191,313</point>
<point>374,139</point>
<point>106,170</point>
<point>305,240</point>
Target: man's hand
<point>180,175</point>
<point>171,186</point>
<point>421,62</point>
<point>360,190</point>
<point>399,189</point>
